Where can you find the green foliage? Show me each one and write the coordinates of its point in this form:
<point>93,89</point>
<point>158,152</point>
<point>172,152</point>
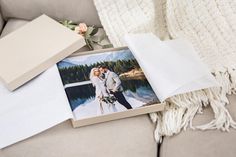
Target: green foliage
<point>92,39</point>
<point>81,72</point>
<point>69,24</point>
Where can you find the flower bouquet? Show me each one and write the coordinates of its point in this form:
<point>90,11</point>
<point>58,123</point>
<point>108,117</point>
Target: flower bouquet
<point>93,37</point>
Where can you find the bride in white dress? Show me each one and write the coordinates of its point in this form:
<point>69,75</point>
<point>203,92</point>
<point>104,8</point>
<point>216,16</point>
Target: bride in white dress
<point>101,93</point>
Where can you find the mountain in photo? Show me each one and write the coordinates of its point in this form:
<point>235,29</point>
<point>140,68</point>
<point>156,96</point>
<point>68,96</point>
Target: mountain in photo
<point>91,59</point>
<point>65,64</point>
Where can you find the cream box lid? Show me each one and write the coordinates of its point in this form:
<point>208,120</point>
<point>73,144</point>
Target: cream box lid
<point>33,48</point>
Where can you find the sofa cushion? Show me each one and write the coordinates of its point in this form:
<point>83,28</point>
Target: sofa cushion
<point>12,25</point>
<point>211,143</point>
<point>75,10</point>
<point>121,138</point>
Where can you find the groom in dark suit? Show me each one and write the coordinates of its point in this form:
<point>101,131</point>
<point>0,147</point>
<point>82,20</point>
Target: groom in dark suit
<point>113,84</point>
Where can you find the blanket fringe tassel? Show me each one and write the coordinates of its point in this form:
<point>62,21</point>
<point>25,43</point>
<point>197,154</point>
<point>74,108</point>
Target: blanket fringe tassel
<point>181,109</point>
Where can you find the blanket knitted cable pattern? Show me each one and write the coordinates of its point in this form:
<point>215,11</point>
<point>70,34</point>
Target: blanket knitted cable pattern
<point>209,24</point>
<point>211,27</point>
<point>131,16</point>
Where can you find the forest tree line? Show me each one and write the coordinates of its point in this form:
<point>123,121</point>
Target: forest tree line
<point>79,73</point>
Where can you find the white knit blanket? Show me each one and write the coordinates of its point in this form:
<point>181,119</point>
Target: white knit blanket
<point>211,27</point>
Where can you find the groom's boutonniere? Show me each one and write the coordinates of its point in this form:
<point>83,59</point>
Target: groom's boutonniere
<point>90,34</point>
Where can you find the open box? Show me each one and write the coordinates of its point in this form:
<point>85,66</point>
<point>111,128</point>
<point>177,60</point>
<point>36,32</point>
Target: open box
<point>152,66</point>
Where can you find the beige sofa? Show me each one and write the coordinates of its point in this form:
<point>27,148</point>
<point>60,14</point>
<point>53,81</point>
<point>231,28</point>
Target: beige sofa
<point>121,138</point>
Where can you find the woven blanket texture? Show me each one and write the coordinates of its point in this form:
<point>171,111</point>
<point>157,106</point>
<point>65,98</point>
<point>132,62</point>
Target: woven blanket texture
<point>210,25</point>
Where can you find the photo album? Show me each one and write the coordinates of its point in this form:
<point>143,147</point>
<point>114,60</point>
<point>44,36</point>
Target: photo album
<point>106,82</point>
<point>98,86</point>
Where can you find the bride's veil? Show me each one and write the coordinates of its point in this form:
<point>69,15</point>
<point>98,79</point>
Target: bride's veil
<point>91,75</point>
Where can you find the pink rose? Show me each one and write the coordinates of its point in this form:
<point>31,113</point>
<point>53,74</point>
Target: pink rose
<point>81,28</point>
